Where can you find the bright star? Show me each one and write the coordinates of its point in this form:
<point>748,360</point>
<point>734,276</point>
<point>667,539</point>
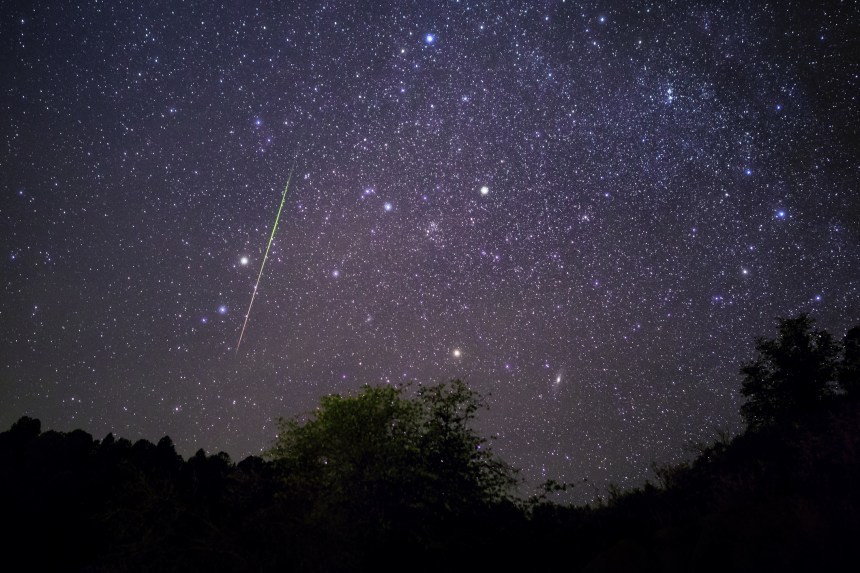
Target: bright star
<point>485,190</point>
<point>222,309</point>
<point>243,261</point>
<point>388,206</point>
<point>457,353</point>
<point>429,38</point>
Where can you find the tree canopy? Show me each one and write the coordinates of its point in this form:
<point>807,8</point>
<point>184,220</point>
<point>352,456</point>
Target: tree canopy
<point>381,454</point>
<point>791,375</point>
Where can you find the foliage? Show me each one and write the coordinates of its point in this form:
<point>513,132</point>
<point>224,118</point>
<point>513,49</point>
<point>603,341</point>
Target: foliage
<point>792,375</point>
<point>381,456</point>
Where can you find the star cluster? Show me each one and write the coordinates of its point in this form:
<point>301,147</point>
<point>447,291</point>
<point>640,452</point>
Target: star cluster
<point>586,210</point>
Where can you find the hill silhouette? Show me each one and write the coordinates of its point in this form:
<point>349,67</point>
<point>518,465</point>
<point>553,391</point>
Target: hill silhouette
<point>387,480</point>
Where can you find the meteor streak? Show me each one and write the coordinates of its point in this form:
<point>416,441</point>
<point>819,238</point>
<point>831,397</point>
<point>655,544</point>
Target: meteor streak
<point>265,258</point>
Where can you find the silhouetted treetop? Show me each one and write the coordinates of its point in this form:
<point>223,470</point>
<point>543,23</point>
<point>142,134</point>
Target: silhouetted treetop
<point>791,375</point>
<point>384,453</point>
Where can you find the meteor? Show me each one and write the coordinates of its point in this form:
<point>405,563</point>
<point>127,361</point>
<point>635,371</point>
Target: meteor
<point>265,258</point>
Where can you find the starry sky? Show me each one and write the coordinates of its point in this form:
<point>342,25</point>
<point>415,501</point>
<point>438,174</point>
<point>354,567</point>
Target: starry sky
<point>586,210</point>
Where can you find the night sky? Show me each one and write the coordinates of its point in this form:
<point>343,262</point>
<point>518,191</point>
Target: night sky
<point>585,210</point>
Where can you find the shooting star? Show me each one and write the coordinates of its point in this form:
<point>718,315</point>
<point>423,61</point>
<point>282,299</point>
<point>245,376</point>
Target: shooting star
<point>265,258</point>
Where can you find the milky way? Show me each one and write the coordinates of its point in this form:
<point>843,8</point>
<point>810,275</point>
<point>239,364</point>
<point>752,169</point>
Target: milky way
<point>586,210</point>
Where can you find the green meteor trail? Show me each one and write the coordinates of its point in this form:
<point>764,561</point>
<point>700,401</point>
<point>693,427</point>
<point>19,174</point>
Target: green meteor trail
<point>265,258</point>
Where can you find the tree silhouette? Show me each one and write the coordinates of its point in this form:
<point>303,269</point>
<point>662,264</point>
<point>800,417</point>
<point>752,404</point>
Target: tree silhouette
<point>383,457</point>
<point>849,370</point>
<point>791,375</point>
